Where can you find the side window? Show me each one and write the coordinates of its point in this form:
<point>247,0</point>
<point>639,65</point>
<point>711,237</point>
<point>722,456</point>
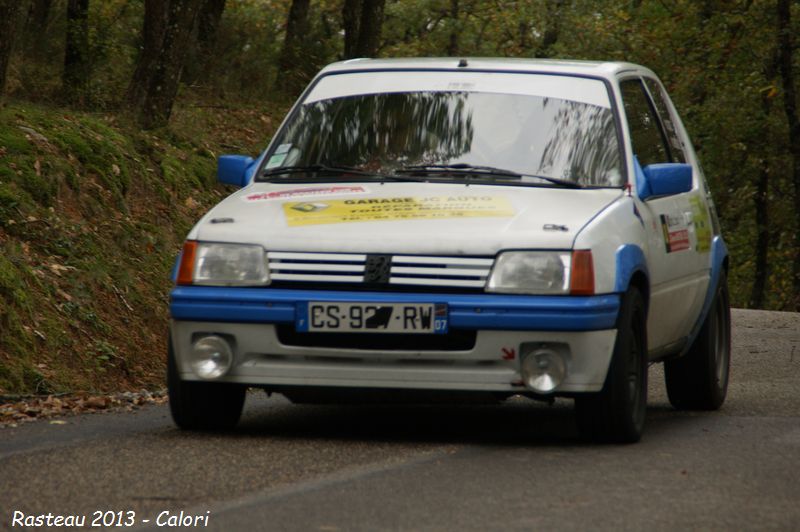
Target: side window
<point>646,135</point>
<point>675,144</point>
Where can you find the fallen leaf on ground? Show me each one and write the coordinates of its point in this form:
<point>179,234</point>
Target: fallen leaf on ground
<point>96,402</point>
<point>28,409</point>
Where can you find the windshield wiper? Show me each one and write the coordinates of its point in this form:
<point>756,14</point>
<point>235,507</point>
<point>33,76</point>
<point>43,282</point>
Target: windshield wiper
<point>460,168</point>
<point>480,171</point>
<point>556,181</point>
<point>410,173</point>
<point>333,169</point>
<point>315,169</point>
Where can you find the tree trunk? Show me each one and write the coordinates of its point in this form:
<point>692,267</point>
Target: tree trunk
<point>761,199</point>
<point>75,79</point>
<point>9,10</point>
<point>552,29</point>
<point>708,8</point>
<point>362,22</point>
<point>36,25</point>
<point>38,15</point>
<point>291,53</point>
<point>156,16</point>
<point>351,13</point>
<point>207,26</point>
<point>452,47</point>
<point>166,75</point>
<point>524,29</point>
<point>369,31</point>
<point>762,239</point>
<point>786,68</point>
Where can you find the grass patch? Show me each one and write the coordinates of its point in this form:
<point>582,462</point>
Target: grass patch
<point>93,212</point>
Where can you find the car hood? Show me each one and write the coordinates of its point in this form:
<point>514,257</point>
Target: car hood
<point>413,218</point>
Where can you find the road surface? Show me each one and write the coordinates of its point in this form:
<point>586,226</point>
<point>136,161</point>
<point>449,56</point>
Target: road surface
<point>515,466</point>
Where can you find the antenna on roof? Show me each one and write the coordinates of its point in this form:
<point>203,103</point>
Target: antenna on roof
<point>462,63</point>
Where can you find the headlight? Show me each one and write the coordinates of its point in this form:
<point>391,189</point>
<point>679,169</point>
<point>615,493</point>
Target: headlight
<point>543,272</point>
<point>223,265</point>
<point>531,272</point>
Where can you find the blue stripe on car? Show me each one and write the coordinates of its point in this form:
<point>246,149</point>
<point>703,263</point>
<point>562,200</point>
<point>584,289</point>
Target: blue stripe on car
<point>468,311</point>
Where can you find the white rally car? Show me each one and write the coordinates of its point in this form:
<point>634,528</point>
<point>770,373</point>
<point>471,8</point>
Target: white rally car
<point>540,228</point>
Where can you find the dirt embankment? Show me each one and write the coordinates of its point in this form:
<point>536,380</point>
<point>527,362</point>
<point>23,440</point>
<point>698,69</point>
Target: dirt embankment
<point>92,214</point>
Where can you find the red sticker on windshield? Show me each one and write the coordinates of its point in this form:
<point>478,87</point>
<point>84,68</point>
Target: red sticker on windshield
<point>303,193</point>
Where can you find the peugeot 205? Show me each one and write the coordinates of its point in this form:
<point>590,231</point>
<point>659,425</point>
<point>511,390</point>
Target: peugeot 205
<point>510,227</point>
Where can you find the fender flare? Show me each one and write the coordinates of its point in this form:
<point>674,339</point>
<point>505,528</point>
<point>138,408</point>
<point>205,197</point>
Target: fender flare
<point>719,253</point>
<point>630,260</point>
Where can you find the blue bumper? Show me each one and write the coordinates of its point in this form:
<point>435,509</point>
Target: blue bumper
<point>465,311</point>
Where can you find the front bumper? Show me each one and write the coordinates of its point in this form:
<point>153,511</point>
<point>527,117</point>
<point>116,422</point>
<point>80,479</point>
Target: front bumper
<point>580,328</point>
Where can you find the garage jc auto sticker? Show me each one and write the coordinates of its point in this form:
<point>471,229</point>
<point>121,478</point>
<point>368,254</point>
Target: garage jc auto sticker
<point>395,208</point>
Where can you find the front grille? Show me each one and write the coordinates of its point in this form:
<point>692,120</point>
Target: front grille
<point>316,267</point>
<point>468,273</point>
<point>454,340</point>
<point>463,272</point>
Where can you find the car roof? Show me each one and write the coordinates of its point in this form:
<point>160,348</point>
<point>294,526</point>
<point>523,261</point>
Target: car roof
<point>600,69</point>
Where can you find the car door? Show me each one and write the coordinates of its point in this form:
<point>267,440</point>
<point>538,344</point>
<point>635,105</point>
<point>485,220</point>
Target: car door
<point>678,275</point>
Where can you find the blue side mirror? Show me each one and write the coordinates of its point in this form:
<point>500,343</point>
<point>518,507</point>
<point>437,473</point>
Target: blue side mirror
<point>235,170</point>
<point>664,179</point>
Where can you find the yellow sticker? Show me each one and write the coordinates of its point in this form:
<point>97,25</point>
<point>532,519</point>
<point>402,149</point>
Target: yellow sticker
<point>397,208</point>
<point>702,223</point>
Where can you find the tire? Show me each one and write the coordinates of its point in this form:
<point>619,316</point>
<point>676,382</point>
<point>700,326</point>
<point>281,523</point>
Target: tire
<point>616,414</point>
<point>699,379</point>
<point>202,405</point>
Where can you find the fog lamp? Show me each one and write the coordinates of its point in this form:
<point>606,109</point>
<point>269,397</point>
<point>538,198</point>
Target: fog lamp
<point>543,370</point>
<point>211,357</point>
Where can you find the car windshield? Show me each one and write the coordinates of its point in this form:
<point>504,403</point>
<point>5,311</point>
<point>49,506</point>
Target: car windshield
<point>446,134</point>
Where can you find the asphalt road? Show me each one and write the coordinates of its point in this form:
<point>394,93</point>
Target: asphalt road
<point>519,465</point>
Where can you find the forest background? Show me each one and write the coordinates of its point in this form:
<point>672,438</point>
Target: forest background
<point>113,113</point>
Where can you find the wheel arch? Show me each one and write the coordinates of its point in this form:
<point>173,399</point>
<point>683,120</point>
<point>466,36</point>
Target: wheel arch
<point>632,271</point>
<point>719,262</point>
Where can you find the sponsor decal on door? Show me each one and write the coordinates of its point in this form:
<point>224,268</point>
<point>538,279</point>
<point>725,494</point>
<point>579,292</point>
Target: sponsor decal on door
<point>676,233</point>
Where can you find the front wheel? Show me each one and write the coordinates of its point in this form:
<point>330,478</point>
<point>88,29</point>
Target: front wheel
<point>202,405</point>
<point>616,414</point>
<point>699,379</point>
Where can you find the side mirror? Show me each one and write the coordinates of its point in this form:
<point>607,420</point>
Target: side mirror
<point>664,179</point>
<point>234,170</point>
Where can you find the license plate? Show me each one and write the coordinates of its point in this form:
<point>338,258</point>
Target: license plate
<point>422,318</point>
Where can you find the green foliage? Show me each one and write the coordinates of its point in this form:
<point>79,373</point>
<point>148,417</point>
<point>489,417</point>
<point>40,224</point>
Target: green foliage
<point>716,64</point>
